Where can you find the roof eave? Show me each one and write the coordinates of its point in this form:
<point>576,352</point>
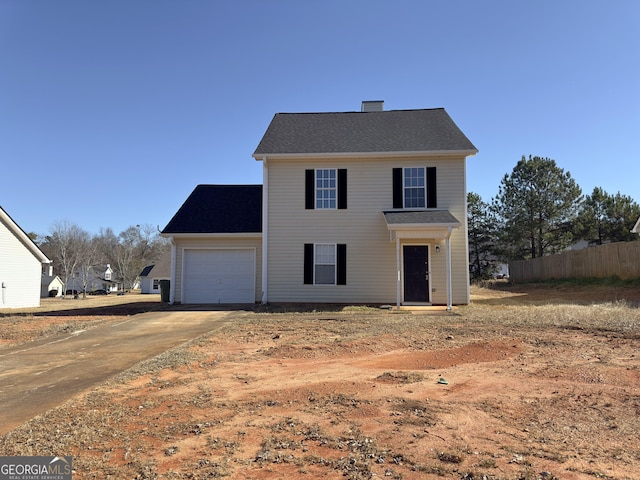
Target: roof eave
<point>414,226</point>
<point>434,153</point>
<point>24,238</point>
<point>209,235</point>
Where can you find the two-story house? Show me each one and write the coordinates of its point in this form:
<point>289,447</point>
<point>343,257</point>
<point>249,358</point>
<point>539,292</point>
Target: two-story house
<point>355,207</point>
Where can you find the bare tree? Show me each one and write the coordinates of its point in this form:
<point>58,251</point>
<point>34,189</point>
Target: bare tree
<point>132,250</point>
<point>64,246</point>
<point>88,258</point>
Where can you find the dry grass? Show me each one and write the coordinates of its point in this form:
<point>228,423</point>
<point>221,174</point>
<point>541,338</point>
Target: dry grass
<point>544,384</point>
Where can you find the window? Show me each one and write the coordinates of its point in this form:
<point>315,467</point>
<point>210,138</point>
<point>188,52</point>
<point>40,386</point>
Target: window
<point>325,264</point>
<point>326,188</point>
<point>156,284</point>
<point>414,187</point>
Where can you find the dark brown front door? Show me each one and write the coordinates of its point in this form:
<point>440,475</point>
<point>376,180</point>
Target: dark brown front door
<point>416,273</point>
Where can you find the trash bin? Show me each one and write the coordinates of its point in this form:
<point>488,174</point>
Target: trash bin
<point>164,290</point>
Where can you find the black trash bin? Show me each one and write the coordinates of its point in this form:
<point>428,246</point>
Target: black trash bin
<point>164,290</point>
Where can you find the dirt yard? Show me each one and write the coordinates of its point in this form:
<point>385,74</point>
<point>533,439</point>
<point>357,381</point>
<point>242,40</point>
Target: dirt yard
<point>526,383</point>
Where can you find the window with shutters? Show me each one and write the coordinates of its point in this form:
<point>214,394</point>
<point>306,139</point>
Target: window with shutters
<point>325,264</point>
<point>326,189</point>
<point>415,187</point>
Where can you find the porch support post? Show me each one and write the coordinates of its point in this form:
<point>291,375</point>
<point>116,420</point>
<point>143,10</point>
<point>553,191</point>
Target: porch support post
<point>449,294</point>
<point>398,283</point>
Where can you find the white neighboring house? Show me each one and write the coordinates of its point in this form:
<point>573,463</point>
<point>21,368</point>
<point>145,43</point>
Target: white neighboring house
<point>100,278</point>
<point>152,274</point>
<point>21,266</point>
<point>636,228</point>
<point>50,283</point>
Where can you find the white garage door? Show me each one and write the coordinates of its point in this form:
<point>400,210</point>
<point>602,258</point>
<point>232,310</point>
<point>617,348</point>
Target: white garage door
<point>219,276</point>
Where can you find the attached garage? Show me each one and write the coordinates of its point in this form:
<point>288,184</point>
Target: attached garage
<point>216,252</point>
<point>219,276</point>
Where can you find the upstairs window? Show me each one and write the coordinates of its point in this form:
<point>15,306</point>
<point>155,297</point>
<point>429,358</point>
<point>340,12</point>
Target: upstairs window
<point>414,187</point>
<point>326,188</point>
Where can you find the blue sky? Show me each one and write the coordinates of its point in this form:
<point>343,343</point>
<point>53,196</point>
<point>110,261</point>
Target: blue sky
<point>111,112</point>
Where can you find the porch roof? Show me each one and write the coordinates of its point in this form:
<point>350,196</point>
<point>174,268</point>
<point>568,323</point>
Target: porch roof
<point>429,224</point>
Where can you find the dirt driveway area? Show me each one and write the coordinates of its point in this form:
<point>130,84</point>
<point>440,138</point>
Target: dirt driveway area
<point>536,382</point>
<point>42,374</point>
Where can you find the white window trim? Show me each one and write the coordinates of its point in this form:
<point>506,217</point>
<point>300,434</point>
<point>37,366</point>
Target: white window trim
<point>335,264</point>
<point>405,187</point>
<point>316,188</point>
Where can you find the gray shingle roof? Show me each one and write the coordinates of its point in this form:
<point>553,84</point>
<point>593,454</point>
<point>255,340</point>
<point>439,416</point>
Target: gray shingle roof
<point>219,209</point>
<point>421,217</point>
<point>363,132</point>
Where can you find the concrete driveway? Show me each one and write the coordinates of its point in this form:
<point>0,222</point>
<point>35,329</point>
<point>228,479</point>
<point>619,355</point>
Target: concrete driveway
<point>40,375</point>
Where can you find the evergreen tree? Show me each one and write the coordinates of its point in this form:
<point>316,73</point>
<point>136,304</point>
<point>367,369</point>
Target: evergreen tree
<point>606,218</point>
<point>481,225</point>
<point>535,207</point>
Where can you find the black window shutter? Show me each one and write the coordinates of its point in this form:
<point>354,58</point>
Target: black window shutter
<point>432,194</point>
<point>341,261</point>
<point>397,188</point>
<point>309,189</point>
<point>342,188</point>
<point>308,263</point>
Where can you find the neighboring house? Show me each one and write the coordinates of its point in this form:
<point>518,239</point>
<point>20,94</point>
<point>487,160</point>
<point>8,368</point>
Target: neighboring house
<point>636,228</point>
<point>99,278</point>
<point>356,207</point>
<point>152,274</point>
<point>21,266</point>
<point>50,283</point>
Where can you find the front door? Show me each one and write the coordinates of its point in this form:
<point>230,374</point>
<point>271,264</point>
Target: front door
<point>416,273</point>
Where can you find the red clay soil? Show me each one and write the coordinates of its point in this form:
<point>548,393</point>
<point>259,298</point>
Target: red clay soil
<point>491,391</point>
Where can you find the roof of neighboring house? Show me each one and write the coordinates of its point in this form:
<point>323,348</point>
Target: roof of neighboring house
<point>22,236</point>
<point>428,130</point>
<point>49,279</point>
<point>219,209</point>
<point>146,270</point>
<point>421,217</point>
<point>636,228</point>
<point>162,268</point>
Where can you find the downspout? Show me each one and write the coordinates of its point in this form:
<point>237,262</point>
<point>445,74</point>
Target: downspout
<point>398,281</point>
<point>449,294</point>
<point>265,228</point>
<point>172,282</point>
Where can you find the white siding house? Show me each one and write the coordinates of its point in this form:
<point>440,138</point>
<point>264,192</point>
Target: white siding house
<point>151,275</point>
<point>21,266</point>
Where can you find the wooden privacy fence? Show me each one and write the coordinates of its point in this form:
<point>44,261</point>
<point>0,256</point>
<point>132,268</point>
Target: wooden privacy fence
<point>602,261</point>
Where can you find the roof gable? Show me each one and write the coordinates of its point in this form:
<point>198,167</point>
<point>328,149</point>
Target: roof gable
<point>21,235</point>
<point>219,209</point>
<point>393,131</point>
